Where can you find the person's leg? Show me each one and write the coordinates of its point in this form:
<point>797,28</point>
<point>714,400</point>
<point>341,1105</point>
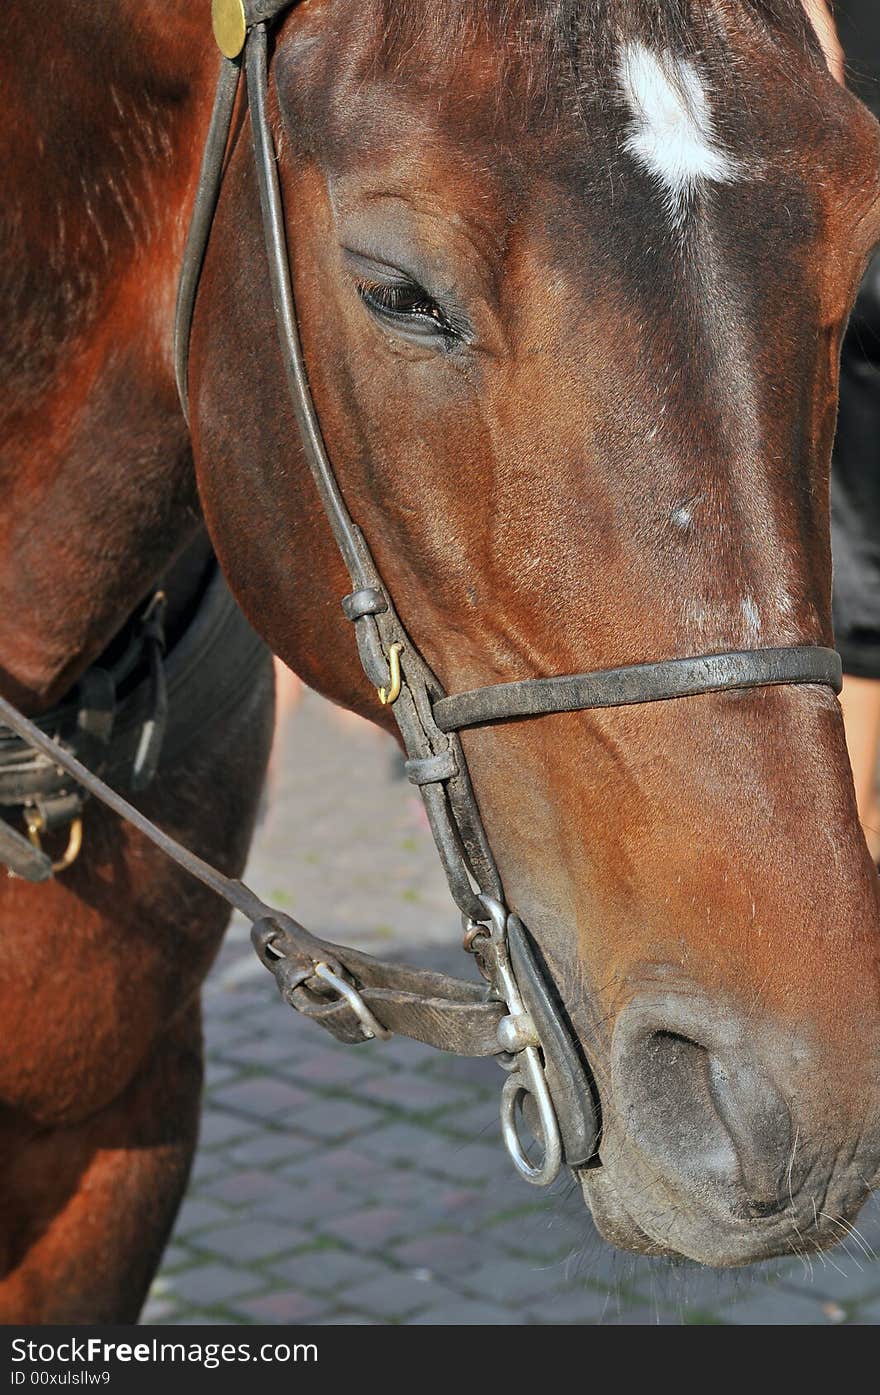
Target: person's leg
<point>855,477</point>
<point>860,701</point>
<point>855,535</point>
<point>823,23</point>
<point>858,28</point>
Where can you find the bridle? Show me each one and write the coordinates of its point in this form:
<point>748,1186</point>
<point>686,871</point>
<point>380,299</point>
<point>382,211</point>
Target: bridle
<point>519,1018</point>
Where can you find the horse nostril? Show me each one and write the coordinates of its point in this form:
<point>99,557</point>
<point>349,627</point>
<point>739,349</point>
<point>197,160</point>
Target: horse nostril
<point>670,1111</point>
<point>757,1118</point>
<point>762,1209</point>
<point>705,1118</point>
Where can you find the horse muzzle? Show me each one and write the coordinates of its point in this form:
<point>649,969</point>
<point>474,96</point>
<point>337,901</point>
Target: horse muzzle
<point>718,1142</point>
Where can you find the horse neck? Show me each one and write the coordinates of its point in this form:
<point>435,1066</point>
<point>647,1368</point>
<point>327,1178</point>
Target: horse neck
<point>106,110</point>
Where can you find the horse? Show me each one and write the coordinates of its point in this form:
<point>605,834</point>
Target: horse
<point>571,282</point>
<point>101,965</point>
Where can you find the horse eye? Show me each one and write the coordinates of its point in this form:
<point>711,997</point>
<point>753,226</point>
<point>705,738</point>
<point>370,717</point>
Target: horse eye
<point>410,307</point>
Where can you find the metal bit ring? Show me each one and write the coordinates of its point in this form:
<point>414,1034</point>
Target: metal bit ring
<point>531,1081</point>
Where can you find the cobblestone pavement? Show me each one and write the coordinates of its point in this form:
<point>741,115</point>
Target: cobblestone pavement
<point>340,1185</point>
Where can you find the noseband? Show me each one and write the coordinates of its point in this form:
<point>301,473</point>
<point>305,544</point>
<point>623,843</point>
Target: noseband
<point>521,1019</point>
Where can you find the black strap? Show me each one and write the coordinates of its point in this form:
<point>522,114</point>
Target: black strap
<point>568,1074</point>
<point>640,683</point>
<point>149,751</point>
<point>200,222</point>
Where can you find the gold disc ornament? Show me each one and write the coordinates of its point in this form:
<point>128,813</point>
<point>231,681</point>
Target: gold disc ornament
<point>230,26</point>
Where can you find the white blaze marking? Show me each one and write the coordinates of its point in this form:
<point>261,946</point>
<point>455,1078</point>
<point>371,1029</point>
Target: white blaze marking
<point>752,617</point>
<point>672,134</point>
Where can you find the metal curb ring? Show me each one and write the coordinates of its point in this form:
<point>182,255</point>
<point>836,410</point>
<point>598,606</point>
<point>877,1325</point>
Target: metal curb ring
<point>531,1081</point>
<point>517,1039</point>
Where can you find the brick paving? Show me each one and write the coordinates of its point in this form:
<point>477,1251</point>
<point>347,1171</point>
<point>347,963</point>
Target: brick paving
<point>338,1185</point>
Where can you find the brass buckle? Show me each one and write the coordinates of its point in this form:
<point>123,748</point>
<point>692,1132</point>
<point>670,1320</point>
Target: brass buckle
<point>36,825</point>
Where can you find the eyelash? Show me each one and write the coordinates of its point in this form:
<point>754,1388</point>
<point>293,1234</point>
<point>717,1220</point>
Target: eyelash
<point>408,301</point>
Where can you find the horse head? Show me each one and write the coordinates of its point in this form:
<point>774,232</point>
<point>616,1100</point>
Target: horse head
<point>571,282</point>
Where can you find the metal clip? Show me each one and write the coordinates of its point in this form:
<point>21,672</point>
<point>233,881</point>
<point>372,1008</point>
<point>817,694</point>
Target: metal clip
<point>392,692</point>
<point>369,1024</point>
<point>36,825</point>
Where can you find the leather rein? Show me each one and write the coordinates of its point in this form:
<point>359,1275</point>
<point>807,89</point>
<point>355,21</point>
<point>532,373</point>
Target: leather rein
<point>518,1017</point>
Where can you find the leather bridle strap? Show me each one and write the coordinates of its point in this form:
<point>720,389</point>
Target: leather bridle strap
<point>640,683</point>
<point>448,1013</point>
<point>210,179</point>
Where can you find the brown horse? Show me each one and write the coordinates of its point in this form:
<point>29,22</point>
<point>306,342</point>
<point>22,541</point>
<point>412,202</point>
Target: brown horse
<point>572,280</point>
<point>100,969</point>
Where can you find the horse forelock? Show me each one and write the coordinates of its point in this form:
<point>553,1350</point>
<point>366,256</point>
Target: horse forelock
<point>542,38</point>
<point>557,69</point>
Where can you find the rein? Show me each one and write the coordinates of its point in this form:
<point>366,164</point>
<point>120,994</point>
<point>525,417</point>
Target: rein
<point>518,1017</point>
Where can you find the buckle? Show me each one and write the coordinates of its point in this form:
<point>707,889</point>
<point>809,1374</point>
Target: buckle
<point>370,1026</point>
